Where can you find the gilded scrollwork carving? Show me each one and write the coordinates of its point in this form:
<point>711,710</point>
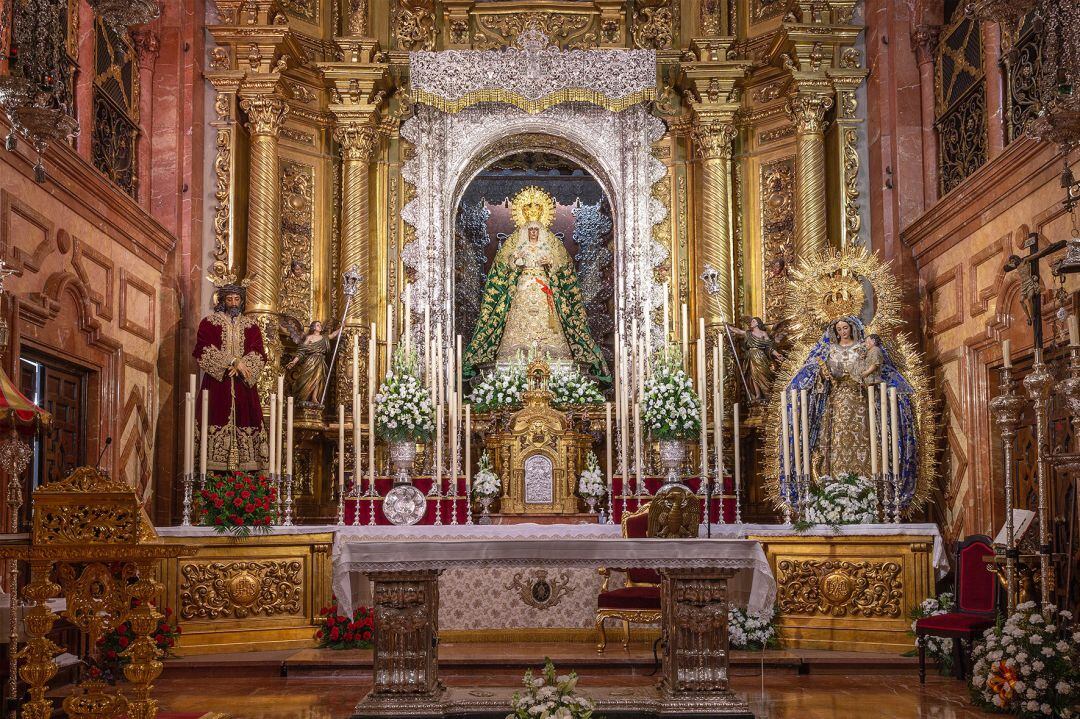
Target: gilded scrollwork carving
<point>566,30</point>
<point>656,24</point>
<point>414,24</point>
<point>265,115</point>
<point>307,10</point>
<point>76,524</point>
<point>240,589</point>
<point>852,220</point>
<point>222,196</point>
<point>297,218</point>
<point>808,111</point>
<point>538,590</point>
<point>96,598</point>
<point>711,15</point>
<point>838,588</point>
<point>777,231</point>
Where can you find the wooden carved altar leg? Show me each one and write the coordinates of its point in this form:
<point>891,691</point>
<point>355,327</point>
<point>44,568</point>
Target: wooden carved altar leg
<point>406,661</point>
<point>37,666</point>
<point>695,660</point>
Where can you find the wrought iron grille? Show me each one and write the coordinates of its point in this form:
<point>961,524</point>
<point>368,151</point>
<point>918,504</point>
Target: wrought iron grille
<point>961,102</point>
<point>114,141</point>
<point>1023,67</point>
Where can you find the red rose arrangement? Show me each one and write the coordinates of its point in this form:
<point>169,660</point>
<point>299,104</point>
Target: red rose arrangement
<point>237,502</point>
<point>340,632</point>
<point>111,646</point>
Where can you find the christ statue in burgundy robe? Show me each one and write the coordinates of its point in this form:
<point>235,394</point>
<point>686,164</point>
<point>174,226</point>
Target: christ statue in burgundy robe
<point>229,350</point>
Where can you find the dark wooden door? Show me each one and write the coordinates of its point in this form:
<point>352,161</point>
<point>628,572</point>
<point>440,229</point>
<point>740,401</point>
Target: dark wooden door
<point>64,393</point>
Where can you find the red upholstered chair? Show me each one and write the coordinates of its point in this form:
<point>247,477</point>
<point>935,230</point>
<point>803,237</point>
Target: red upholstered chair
<point>976,604</point>
<point>639,600</point>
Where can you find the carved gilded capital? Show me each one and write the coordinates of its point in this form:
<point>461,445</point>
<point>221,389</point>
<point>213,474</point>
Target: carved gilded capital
<point>265,115</point>
<point>924,40</point>
<point>712,138</point>
<point>808,111</point>
<point>148,45</point>
<point>357,140</point>
<point>358,17</point>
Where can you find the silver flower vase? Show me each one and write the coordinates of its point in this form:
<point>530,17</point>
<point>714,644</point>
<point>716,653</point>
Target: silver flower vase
<point>590,502</point>
<point>402,459</point>
<point>485,510</point>
<point>672,458</point>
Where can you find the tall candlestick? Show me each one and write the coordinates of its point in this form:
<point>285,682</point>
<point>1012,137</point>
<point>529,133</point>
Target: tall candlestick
<point>458,364</point>
<point>341,450</point>
<point>607,442</point>
<point>371,449</point>
<point>894,427</point>
<point>203,424</point>
<point>703,397</point>
<point>273,423</point>
<point>624,426</point>
<point>737,441</point>
<point>189,429</point>
<point>289,437</point>
<point>795,434</point>
<point>356,361</point>
<point>786,449</point>
<point>1006,354</point>
<point>803,404</point>
<point>373,360</point>
<point>872,417</point>
<point>436,477</point>
<point>357,472</point>
<point>637,446</point>
<point>635,348</point>
<point>667,313</point>
<point>685,342</point>
<point>189,447</point>
<point>883,404</point>
<point>468,455</point>
<point>718,416</point>
<point>451,460</point>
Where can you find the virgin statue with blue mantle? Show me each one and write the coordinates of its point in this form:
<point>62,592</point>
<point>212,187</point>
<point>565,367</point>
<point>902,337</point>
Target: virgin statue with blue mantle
<point>531,299</point>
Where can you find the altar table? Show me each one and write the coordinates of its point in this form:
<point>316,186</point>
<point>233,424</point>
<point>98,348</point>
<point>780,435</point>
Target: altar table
<point>406,596</point>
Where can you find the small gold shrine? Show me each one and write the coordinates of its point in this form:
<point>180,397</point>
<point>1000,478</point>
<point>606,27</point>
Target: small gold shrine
<point>537,453</point>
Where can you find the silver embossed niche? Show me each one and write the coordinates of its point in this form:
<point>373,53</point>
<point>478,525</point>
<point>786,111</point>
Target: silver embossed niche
<point>476,107</point>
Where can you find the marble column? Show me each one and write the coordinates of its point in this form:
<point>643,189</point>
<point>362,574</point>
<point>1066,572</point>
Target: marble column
<point>712,139</point>
<point>807,111</point>
<point>148,45</point>
<point>924,38</point>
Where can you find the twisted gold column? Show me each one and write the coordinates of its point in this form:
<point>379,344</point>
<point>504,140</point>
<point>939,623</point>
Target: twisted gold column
<point>358,142</point>
<point>811,230</point>
<point>713,142</point>
<point>265,116</point>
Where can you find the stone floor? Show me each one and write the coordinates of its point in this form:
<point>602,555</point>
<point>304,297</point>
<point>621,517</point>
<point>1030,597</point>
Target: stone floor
<point>777,685</point>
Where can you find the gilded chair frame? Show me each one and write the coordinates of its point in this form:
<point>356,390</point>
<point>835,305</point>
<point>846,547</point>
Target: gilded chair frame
<point>628,616</point>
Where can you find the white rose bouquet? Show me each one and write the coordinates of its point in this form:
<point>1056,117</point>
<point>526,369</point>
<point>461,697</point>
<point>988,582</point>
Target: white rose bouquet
<point>570,388</point>
<point>751,630</point>
<point>671,408</point>
<point>499,389</point>
<point>403,407</point>
<point>485,483</point>
<point>549,697</point>
<point>939,648</point>
<point>591,481</point>
<point>850,499</point>
<point>1030,665</point>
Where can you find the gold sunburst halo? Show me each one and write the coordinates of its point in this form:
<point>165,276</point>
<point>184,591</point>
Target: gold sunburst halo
<point>820,291</point>
<point>532,204</point>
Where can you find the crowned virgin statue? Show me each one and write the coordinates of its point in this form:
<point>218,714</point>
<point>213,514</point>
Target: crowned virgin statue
<point>531,299</point>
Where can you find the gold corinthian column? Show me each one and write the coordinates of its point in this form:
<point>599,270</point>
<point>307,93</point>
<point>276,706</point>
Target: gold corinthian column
<point>264,119</point>
<point>807,111</point>
<point>712,139</point>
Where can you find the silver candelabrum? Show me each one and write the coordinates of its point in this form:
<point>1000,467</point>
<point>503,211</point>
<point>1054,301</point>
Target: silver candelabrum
<point>1006,409</point>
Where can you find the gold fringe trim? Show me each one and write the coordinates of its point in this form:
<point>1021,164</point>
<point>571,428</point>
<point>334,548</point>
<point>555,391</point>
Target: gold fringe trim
<point>534,106</point>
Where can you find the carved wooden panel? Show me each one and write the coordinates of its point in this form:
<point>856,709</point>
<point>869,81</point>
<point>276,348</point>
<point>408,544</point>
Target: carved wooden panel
<point>239,589</point>
<point>138,307</point>
<point>946,299</point>
<point>839,588</point>
<point>777,231</point>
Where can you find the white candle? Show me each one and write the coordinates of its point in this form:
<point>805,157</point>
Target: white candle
<point>736,441</point>
<point>279,428</point>
<point>427,341</point>
<point>607,436</point>
<point>458,364</point>
<point>468,453</point>
<point>894,422</point>
<point>408,321</point>
<point>356,362</point>
<point>356,417</point>
<point>648,337</point>
<point>1074,332</point>
<point>787,441</point>
<point>635,349</point>
<point>872,418</point>
<point>371,446</point>
<point>685,331</point>
<point>795,435</point>
<point>373,360</point>
<point>637,444</point>
<point>667,313</point>
<point>805,432</point>
<point>389,334</point>
<point>451,455</point>
<point>273,423</point>
<point>718,415</point>
<point>1006,354</point>
<point>289,437</point>
<point>883,403</point>
<point>618,382</point>
<point>203,424</point>
<point>704,410</point>
<point>341,450</point>
<point>189,428</point>
<point>624,426</point>
<point>437,473</point>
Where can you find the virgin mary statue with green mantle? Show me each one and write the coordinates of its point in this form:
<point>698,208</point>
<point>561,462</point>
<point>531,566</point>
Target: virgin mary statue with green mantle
<point>531,298</point>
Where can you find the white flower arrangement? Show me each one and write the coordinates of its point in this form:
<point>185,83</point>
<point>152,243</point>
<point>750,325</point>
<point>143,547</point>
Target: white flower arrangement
<point>485,483</point>
<point>850,499</point>
<point>671,408</point>
<point>403,405</point>
<point>938,648</point>
<point>549,697</point>
<point>569,388</point>
<point>591,481</point>
<point>1030,665</point>
<point>751,630</point>
<point>502,388</point>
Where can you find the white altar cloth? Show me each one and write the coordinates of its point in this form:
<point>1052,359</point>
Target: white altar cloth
<point>354,553</point>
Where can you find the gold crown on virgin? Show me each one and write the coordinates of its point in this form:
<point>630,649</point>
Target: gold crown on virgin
<point>532,204</point>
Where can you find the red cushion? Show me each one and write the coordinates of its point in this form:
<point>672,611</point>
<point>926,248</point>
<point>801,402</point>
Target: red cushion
<point>643,576</point>
<point>637,527</point>
<point>630,598</point>
<point>954,622</point>
<point>976,587</point>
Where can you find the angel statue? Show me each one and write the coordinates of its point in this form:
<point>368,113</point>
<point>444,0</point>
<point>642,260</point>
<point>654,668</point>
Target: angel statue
<point>310,364</point>
<point>836,373</point>
<point>760,357</point>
